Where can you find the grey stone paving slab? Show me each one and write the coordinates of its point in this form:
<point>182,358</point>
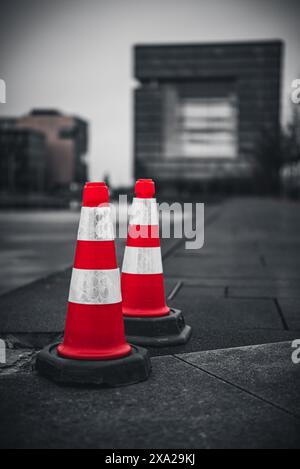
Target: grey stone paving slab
<point>291,311</point>
<point>179,407</point>
<point>218,253</point>
<point>195,268</point>
<point>39,307</point>
<point>264,292</point>
<point>226,313</point>
<point>204,291</point>
<point>220,323</point>
<point>211,339</point>
<point>35,244</point>
<point>283,272</point>
<point>264,370</point>
<point>18,280</point>
<point>291,258</point>
<point>282,248</point>
<point>274,283</point>
<point>234,259</point>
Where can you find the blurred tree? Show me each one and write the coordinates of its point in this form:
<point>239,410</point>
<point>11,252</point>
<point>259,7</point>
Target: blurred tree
<point>291,138</point>
<point>106,179</point>
<point>275,150</point>
<point>290,173</point>
<point>269,160</point>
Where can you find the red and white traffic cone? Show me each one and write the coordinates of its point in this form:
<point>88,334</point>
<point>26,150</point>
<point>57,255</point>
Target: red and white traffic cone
<point>148,319</point>
<point>94,350</point>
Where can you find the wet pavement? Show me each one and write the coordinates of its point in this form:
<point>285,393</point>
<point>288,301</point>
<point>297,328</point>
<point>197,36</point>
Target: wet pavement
<point>34,244</point>
<point>233,385</point>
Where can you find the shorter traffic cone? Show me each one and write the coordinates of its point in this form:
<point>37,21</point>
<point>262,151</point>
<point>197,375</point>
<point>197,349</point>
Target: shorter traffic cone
<point>148,319</point>
<point>94,350</point>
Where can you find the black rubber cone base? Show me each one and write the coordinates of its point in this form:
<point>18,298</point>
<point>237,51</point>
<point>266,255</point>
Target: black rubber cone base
<point>132,369</point>
<point>158,332</point>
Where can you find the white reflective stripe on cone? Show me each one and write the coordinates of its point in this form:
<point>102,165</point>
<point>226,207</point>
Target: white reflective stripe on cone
<point>143,212</point>
<point>96,224</point>
<point>95,287</point>
<point>142,261</point>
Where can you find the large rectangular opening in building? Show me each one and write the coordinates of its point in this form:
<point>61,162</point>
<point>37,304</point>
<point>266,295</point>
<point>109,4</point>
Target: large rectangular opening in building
<point>201,120</point>
<point>208,128</point>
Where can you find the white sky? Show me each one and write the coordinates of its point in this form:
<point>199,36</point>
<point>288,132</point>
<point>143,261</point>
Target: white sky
<point>76,55</point>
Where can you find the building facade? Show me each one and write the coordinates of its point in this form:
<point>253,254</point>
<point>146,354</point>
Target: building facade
<point>201,110</point>
<point>48,141</point>
<point>67,142</point>
<point>22,160</point>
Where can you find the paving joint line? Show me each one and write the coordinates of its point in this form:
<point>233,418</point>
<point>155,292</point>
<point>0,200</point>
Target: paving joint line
<point>281,315</point>
<point>257,297</point>
<point>175,290</point>
<point>240,388</point>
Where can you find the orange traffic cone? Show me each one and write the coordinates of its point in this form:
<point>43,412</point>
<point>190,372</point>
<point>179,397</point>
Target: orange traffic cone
<point>95,350</point>
<point>148,319</point>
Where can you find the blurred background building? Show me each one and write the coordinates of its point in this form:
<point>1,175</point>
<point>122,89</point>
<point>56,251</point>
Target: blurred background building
<point>193,91</point>
<point>67,143</point>
<point>22,160</point>
<point>201,111</point>
<point>43,151</point>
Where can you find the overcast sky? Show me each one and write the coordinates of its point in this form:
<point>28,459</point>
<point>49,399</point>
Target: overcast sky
<point>76,55</point>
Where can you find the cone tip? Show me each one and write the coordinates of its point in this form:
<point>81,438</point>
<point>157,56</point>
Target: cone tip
<point>145,188</point>
<point>95,194</point>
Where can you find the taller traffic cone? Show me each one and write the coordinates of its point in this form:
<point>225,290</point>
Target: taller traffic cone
<point>148,319</point>
<point>94,350</point>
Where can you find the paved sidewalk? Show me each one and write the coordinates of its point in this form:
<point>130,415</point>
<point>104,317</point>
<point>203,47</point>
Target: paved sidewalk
<point>233,385</point>
<point>34,244</point>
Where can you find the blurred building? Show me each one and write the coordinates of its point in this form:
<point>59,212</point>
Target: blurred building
<point>201,110</point>
<point>67,141</point>
<point>7,123</point>
<point>62,155</point>
<point>290,170</point>
<point>22,160</point>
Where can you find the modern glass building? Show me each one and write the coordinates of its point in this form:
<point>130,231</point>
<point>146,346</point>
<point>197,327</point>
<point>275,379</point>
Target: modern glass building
<point>202,110</point>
